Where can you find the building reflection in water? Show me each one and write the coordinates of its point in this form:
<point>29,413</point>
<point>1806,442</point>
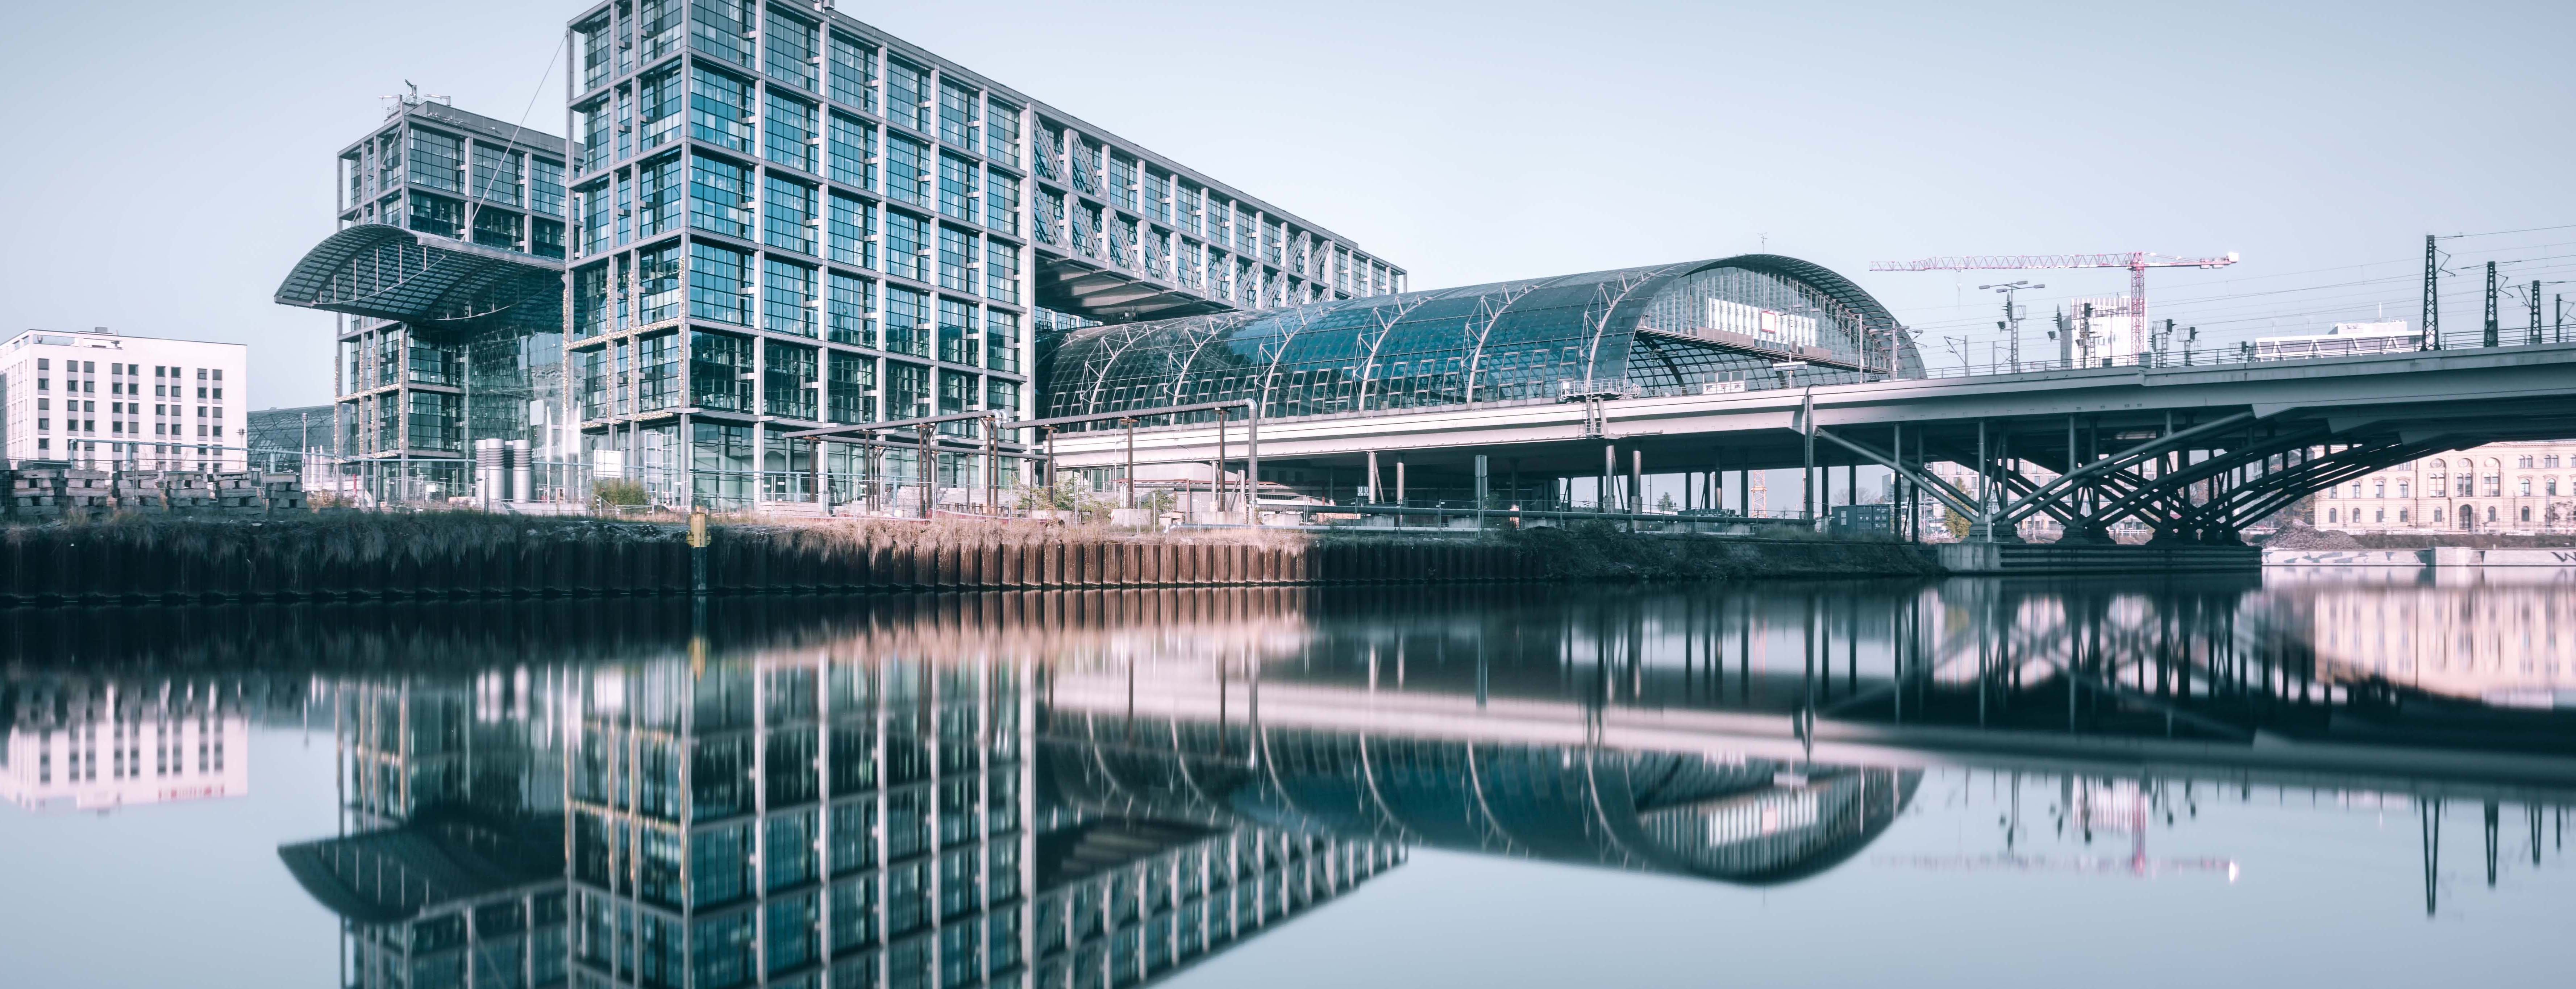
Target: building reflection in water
<point>1102,788</point>
<point>854,809</point>
<point>83,743</point>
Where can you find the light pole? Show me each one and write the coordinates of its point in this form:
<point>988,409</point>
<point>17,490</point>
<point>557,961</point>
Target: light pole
<point>1130,423</point>
<point>2011,323</point>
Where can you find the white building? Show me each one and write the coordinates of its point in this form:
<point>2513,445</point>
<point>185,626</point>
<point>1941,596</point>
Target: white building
<point>99,400</point>
<point>2526,487</point>
<point>96,746</point>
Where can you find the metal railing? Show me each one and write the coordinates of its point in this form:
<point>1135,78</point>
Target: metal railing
<point>2272,351</point>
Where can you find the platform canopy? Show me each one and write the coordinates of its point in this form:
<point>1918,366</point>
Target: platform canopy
<point>373,269</point>
<point>1665,328</point>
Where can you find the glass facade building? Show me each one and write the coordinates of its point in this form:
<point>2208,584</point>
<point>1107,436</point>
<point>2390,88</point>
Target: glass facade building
<point>1716,325</point>
<point>769,217</point>
<point>447,276</point>
<point>787,219</point>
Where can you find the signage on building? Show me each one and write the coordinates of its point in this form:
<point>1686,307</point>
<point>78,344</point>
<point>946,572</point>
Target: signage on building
<point>1768,325</point>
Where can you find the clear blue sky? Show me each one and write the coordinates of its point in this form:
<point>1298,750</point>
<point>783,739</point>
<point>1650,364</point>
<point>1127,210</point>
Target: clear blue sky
<point>172,160</point>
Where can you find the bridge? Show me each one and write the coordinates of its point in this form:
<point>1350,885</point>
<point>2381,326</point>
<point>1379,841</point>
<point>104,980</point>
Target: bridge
<point>2195,445</point>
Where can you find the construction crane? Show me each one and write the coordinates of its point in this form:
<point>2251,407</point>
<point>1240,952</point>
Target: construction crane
<point>2136,261</point>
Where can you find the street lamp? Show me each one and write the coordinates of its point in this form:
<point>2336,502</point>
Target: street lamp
<point>2011,323</point>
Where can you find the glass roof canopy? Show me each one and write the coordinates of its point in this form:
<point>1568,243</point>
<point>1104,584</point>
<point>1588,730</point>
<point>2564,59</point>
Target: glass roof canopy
<point>1680,328</point>
<point>373,269</point>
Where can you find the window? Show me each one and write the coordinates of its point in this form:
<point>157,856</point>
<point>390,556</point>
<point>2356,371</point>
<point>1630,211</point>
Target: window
<point>662,95</point>
<point>787,298</point>
<point>596,40</point>
<point>853,376</point>
<point>437,160</point>
<point>496,174</point>
<point>719,109</point>
<point>1122,182</point>
<point>907,319</point>
<point>719,196</point>
<point>956,253</point>
<point>790,128</point>
<point>956,188</point>
<point>660,27</point>
<point>790,51</point>
<point>590,300</point>
<point>905,234</point>
<point>496,228</point>
<point>437,215</point>
<point>657,283</point>
<point>908,94</point>
<point>852,152</point>
<point>546,239</point>
<point>787,380</point>
<point>850,229</point>
<point>787,215</point>
<point>662,195</point>
<point>1001,341</point>
<point>1001,271</point>
<point>956,115</point>
<point>957,337</point>
<point>1002,202</point>
<point>720,371</point>
<point>907,396</point>
<point>848,313</point>
<point>853,67</point>
<point>1002,132</point>
<point>717,27</point>
<point>719,284</point>
<point>657,380</point>
<point>2526,487</point>
<point>594,218</point>
<point>907,176</point>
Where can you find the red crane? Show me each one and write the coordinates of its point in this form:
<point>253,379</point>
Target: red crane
<point>2136,261</point>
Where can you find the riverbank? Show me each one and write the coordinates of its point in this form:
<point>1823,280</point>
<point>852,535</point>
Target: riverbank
<point>363,556</point>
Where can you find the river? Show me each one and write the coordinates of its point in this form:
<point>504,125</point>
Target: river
<point>2341,776</point>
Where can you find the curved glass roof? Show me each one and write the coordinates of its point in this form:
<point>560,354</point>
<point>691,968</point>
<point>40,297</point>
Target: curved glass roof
<point>374,269</point>
<point>1684,814</point>
<point>1659,329</point>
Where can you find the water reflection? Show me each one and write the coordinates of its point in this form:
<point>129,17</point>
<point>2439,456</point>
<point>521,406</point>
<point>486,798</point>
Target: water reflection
<point>1107,788</point>
<point>81,743</point>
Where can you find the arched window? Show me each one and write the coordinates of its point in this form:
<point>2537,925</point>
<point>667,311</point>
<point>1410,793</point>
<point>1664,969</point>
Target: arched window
<point>2491,513</point>
<point>2468,517</point>
<point>2379,488</point>
<point>2526,513</point>
<point>2330,515</point>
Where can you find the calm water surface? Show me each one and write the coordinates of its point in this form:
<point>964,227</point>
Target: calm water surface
<point>2347,777</point>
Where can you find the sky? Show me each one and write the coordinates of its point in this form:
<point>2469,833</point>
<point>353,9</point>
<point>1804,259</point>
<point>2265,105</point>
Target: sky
<point>174,159</point>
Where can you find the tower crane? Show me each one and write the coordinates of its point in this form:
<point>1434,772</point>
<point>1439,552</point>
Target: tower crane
<point>2136,261</point>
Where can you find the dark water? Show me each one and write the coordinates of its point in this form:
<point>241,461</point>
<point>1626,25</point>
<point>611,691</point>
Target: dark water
<point>2349,777</point>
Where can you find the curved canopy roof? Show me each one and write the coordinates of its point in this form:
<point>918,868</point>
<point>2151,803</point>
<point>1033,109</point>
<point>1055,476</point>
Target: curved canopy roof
<point>445,856</point>
<point>374,269</point>
<point>1683,814</point>
<point>1669,327</point>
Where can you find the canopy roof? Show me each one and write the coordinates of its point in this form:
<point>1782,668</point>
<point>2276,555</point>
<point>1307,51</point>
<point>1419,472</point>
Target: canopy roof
<point>374,269</point>
<point>1631,329</point>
